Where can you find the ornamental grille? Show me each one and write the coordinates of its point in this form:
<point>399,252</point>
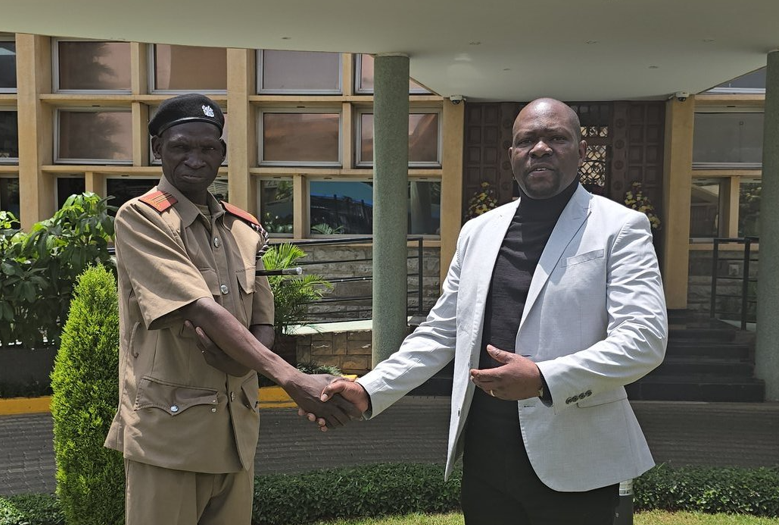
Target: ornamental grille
<point>592,173</point>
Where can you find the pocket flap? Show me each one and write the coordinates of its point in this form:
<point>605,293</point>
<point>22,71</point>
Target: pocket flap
<point>246,279</point>
<point>583,257</point>
<point>251,390</point>
<point>212,280</point>
<point>173,399</point>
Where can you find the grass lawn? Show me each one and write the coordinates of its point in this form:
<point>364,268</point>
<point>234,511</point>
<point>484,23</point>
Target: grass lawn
<point>645,518</point>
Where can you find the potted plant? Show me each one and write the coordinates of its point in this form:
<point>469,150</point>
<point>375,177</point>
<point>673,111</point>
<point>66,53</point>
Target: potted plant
<point>291,295</point>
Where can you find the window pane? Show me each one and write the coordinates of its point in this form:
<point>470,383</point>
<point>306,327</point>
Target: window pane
<point>728,138</point>
<point>7,66</point>
<point>749,209</point>
<point>301,137</point>
<point>94,65</point>
<point>300,71</point>
<point>753,80</point>
<point>422,138</point>
<point>705,208</point>
<point>365,82</point>
<point>9,195</point>
<point>276,205</point>
<point>95,135</point>
<point>340,207</point>
<point>181,68</point>
<point>9,136</point>
<point>126,188</point>
<point>67,186</point>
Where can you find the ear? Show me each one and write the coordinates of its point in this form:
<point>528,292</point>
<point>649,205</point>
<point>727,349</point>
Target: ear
<point>582,151</point>
<point>224,148</point>
<point>156,147</point>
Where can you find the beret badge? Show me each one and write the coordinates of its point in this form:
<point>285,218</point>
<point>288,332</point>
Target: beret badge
<point>208,111</point>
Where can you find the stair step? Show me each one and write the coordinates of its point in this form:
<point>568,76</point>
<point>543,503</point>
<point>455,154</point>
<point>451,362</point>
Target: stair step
<point>712,350</point>
<point>726,368</point>
<point>688,388</point>
<point>701,334</point>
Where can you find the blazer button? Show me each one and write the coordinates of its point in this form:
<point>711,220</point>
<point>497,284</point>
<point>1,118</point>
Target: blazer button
<point>588,393</point>
<point>581,396</point>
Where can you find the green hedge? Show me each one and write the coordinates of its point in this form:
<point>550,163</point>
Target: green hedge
<point>405,488</point>
<point>90,477</point>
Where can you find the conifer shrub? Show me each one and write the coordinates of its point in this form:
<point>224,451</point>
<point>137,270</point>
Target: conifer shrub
<point>90,478</point>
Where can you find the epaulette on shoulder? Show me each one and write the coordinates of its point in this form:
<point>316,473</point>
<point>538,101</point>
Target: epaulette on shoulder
<point>159,200</point>
<point>243,215</point>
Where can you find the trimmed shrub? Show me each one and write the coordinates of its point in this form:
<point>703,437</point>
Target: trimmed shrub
<point>90,478</point>
<point>358,492</point>
<point>31,509</point>
<point>709,490</point>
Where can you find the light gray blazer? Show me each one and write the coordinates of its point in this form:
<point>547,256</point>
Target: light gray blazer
<point>594,321</point>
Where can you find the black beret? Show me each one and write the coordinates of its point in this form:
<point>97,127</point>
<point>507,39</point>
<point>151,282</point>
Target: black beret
<point>192,107</point>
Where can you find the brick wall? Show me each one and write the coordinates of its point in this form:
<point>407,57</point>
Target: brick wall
<point>350,351</point>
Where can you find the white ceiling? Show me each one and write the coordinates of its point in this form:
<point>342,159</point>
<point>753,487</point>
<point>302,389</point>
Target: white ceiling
<point>486,50</point>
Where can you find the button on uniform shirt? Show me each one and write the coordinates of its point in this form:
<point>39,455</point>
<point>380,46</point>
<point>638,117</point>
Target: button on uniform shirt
<point>175,410</point>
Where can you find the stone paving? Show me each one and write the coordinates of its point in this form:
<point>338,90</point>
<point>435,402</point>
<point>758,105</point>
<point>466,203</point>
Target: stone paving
<point>415,430</point>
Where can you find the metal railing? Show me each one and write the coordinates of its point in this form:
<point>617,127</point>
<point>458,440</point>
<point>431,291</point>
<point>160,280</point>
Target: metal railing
<point>358,305</point>
<point>736,272</point>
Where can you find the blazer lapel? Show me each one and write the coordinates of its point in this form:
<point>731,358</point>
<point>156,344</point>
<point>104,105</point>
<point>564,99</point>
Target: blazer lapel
<point>568,224</point>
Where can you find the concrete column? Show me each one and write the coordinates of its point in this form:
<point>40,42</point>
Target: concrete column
<point>242,140</point>
<point>390,204</point>
<point>767,352</point>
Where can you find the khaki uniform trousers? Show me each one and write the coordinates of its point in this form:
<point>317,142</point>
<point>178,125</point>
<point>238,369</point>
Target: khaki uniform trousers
<point>161,496</point>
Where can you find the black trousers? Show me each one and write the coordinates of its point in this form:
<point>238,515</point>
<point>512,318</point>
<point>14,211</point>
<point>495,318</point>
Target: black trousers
<point>500,486</point>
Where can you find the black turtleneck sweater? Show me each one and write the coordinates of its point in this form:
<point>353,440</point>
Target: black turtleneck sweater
<point>519,254</point>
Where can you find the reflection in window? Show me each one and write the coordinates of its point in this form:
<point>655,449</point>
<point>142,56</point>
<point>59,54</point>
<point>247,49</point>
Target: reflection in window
<point>276,206</point>
<point>9,137</point>
<point>705,208</point>
<point>67,186</point>
<point>728,140</point>
<point>749,208</point>
<point>121,190</point>
<point>423,141</point>
<point>749,83</point>
<point>9,195</point>
<point>189,68</point>
<point>87,136</point>
<point>341,207</point>
<point>7,66</point>
<point>364,77</point>
<point>300,72</point>
<point>301,138</point>
<point>86,65</point>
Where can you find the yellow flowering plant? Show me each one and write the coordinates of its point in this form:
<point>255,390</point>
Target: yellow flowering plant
<point>482,201</point>
<point>635,199</point>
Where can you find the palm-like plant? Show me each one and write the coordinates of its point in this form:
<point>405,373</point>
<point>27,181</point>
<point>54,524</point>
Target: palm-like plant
<point>291,293</point>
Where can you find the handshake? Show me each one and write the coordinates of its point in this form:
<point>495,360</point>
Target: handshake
<point>339,401</point>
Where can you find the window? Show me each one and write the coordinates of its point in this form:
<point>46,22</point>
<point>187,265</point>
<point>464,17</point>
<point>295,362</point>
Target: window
<point>728,140</point>
<point>7,66</point>
<point>122,189</point>
<point>753,82</point>
<point>749,208</point>
<point>9,137</point>
<point>158,162</point>
<point>299,72</point>
<point>9,195</point>
<point>94,137</point>
<point>364,77</point>
<point>346,207</point>
<point>705,208</point>
<point>83,65</point>
<point>67,186</point>
<point>300,139</point>
<point>424,145</point>
<point>188,68</point>
<point>276,206</point>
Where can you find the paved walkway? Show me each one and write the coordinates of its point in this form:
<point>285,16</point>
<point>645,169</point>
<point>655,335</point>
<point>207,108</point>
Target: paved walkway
<point>414,430</point>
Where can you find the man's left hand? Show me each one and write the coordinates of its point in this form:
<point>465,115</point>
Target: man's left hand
<point>516,378</point>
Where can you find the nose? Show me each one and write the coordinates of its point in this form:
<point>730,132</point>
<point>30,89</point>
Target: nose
<point>193,159</point>
<point>540,149</point>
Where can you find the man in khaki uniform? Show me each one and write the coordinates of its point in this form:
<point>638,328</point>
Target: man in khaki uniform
<point>188,420</point>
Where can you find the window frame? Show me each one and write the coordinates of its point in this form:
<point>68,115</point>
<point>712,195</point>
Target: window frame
<point>55,66</point>
<point>291,163</point>
<point>283,178</point>
<point>13,161</point>
<point>14,90</point>
<point>726,165</point>
<point>262,91</point>
<point>360,163</point>
<point>152,76</point>
<point>82,161</point>
<point>359,90</point>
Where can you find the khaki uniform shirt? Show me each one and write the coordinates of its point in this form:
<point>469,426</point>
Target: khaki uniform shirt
<point>176,411</point>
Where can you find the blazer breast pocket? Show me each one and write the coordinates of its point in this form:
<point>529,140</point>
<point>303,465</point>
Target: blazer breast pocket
<point>582,258</point>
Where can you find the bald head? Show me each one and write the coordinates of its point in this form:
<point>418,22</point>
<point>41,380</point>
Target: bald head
<point>547,148</point>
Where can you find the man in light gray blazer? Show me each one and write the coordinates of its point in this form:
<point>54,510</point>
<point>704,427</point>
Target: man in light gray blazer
<point>552,304</point>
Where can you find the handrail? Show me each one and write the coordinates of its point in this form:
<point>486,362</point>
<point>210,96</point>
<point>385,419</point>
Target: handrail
<point>745,279</point>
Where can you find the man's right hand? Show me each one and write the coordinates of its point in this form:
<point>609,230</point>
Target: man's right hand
<point>339,388</point>
<point>306,390</point>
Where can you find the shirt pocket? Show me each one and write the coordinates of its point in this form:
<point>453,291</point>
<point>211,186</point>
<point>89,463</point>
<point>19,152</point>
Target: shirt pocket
<point>245,278</point>
<point>250,389</point>
<point>582,258</point>
<point>172,398</point>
